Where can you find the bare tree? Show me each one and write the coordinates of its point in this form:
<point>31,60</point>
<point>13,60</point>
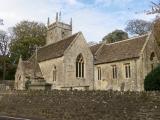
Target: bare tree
<point>4,41</point>
<point>138,27</point>
<point>155,8</point>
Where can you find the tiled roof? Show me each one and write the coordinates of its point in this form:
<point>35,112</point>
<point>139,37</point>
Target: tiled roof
<point>94,48</point>
<point>55,50</point>
<point>122,50</point>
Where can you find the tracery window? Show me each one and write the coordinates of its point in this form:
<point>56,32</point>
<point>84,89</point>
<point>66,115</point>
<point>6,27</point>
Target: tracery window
<point>80,66</point>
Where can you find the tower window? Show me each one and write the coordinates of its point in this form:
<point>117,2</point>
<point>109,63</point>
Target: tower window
<point>80,67</point>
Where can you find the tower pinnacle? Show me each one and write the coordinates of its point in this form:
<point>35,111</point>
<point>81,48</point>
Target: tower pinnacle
<point>57,17</point>
<point>48,22</point>
<point>60,16</point>
<point>71,23</point>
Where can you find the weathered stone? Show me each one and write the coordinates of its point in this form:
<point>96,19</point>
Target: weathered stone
<point>59,68</point>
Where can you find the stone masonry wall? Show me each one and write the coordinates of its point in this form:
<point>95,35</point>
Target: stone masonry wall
<point>78,47</point>
<point>20,78</point>
<point>146,57</point>
<point>107,81</point>
<point>47,68</point>
<point>81,105</point>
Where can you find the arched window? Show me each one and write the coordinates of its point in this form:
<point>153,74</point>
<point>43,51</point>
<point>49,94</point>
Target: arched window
<point>54,74</point>
<point>80,66</point>
<point>152,56</point>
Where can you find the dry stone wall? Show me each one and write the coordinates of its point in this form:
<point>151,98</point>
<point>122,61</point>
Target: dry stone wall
<point>81,105</point>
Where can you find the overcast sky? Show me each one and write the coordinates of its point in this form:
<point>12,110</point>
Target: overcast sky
<point>95,18</point>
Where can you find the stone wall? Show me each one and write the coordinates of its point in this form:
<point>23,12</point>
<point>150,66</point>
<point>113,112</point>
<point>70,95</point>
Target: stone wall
<point>20,78</point>
<point>47,68</point>
<point>107,81</point>
<point>7,85</point>
<point>146,57</point>
<point>140,67</point>
<point>81,105</point>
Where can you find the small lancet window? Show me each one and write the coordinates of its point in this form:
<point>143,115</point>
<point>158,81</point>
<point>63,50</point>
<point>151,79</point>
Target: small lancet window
<point>80,66</point>
<point>99,73</point>
<point>54,73</point>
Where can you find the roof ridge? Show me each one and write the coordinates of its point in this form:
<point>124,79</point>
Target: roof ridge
<point>78,33</point>
<point>55,50</point>
<point>96,44</point>
<point>132,38</point>
<point>147,39</point>
<point>120,51</point>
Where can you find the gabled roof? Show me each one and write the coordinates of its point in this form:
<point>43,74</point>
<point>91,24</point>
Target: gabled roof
<point>126,49</point>
<point>55,50</point>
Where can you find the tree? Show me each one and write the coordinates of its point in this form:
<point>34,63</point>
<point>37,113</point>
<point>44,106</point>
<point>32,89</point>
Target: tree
<point>4,41</point>
<point>115,36</point>
<point>25,35</point>
<point>138,27</point>
<point>155,8</point>
<point>152,80</point>
<point>91,43</point>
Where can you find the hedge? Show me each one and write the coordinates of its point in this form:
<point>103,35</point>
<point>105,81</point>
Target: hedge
<point>152,80</point>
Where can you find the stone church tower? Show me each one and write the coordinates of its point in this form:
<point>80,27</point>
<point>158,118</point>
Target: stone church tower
<point>58,30</point>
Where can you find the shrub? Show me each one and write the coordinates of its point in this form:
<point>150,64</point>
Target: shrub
<point>152,80</point>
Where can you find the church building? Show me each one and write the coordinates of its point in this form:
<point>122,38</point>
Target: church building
<point>67,62</point>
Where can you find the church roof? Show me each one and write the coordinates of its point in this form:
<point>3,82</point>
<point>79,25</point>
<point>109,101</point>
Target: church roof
<point>122,50</point>
<point>28,68</point>
<point>94,48</point>
<point>55,50</point>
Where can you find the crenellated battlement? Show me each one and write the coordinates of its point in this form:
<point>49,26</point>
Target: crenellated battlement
<point>58,30</point>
